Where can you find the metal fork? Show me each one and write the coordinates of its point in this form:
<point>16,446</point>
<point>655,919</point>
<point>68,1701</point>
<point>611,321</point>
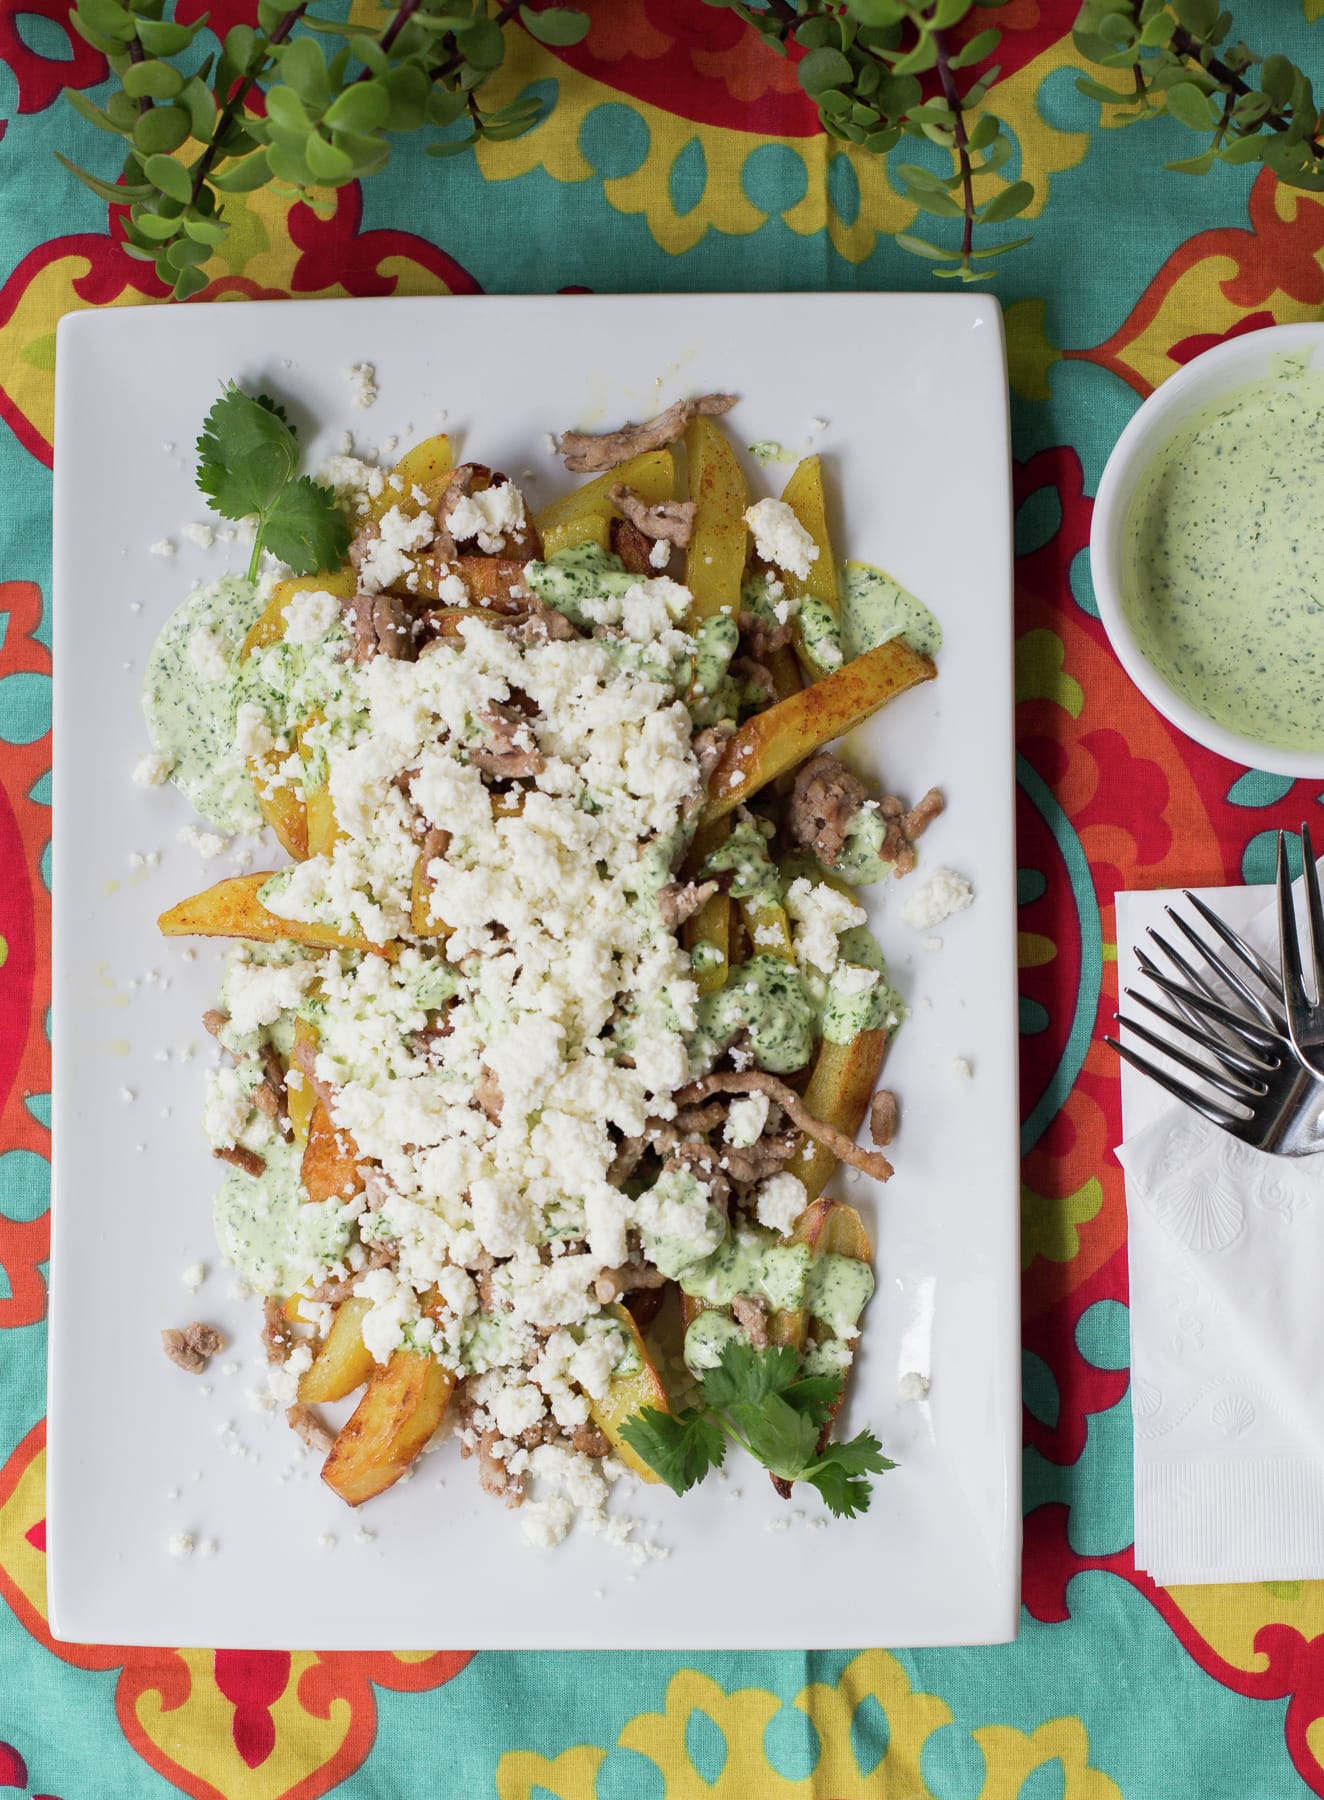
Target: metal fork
<point>1305,1017</point>
<point>1261,1092</point>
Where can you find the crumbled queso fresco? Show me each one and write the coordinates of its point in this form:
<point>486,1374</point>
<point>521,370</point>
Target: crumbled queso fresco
<point>508,806</point>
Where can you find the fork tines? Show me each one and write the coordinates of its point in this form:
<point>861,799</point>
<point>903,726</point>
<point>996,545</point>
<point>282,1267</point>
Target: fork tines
<point>1239,1051</point>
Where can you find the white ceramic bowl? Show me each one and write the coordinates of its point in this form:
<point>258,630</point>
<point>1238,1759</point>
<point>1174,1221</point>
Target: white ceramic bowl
<point>1216,372</point>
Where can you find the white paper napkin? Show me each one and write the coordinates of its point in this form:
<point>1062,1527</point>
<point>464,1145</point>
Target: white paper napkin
<point>1226,1250</point>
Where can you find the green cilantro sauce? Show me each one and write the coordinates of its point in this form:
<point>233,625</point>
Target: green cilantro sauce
<point>581,572</point>
<point>875,609</point>
<point>270,1234</point>
<point>820,632</point>
<point>754,1262</point>
<point>845,1013</point>
<point>766,998</point>
<point>1223,560</point>
<point>191,719</point>
<point>744,855</point>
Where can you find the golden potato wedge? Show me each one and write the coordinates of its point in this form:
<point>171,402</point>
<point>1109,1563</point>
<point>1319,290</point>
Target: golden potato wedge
<point>300,1094</point>
<point>719,544</point>
<point>343,1361</point>
<point>405,1402</point>
<point>804,495</point>
<point>708,931</point>
<point>492,579</point>
<point>232,909</point>
<point>768,929</point>
<point>586,514</point>
<point>771,742</point>
<point>427,465</point>
<point>830,1228</point>
<point>589,528</point>
<point>330,1166</point>
<point>841,1084</point>
<point>322,831</point>
<point>627,1395</point>
<point>282,807</point>
<point>269,628</point>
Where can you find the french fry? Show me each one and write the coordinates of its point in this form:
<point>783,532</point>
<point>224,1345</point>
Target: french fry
<point>269,627</point>
<point>427,465</point>
<point>232,909</point>
<point>343,1361</point>
<point>768,928</point>
<point>627,1395</point>
<point>804,495</point>
<point>300,1094</point>
<point>321,828</point>
<point>586,514</point>
<point>330,1167</point>
<point>709,931</point>
<point>423,921</point>
<point>719,542</point>
<point>771,742</point>
<point>281,805</point>
<point>829,1228</point>
<point>406,1400</point>
<point>841,1084</point>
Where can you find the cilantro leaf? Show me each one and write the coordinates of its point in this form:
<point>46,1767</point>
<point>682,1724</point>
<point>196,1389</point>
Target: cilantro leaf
<point>749,1375</point>
<point>246,454</point>
<point>818,1396</point>
<point>782,1439</point>
<point>839,1474</point>
<point>680,1447</point>
<point>306,528</point>
<point>247,457</point>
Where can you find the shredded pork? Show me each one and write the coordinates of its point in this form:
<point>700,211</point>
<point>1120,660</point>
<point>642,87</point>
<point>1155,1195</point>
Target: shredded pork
<point>752,1081</point>
<point>671,521</point>
<point>192,1346</point>
<point>586,453</point>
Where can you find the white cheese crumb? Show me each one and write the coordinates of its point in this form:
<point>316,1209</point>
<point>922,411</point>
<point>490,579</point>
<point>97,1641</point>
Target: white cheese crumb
<point>180,1544</point>
<point>820,913</point>
<point>545,1523</point>
<point>204,536</point>
<point>194,1276</point>
<point>487,515</point>
<point>151,770</point>
<point>780,538</point>
<point>819,424</point>
<point>660,555</point>
<point>309,616</point>
<point>962,1068</point>
<point>944,893</point>
<point>252,733</point>
<point>745,1120</point>
<point>208,1547</point>
<point>162,547</point>
<point>779,1201</point>
<point>208,844</point>
<point>912,1386</point>
<point>363,381</point>
<point>327,1540</point>
<point>206,656</point>
<point>127,1094</point>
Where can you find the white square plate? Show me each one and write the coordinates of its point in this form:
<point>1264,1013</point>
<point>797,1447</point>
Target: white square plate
<point>139,1452</point>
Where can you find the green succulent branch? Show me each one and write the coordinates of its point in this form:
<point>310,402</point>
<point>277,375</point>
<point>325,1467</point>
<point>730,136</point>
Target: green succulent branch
<point>193,136</point>
<point>1182,61</point>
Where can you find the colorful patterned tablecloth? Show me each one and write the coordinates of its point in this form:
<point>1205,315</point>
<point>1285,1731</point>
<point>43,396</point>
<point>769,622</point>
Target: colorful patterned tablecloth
<point>682,155</point>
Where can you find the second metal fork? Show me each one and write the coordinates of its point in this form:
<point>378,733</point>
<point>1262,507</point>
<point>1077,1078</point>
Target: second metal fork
<point>1254,1086</point>
<point>1305,1017</point>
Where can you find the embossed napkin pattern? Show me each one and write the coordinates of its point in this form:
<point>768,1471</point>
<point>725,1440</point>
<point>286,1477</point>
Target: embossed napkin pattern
<point>1226,1249</point>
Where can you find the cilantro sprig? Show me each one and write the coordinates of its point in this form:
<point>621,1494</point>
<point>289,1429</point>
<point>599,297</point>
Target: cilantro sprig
<point>248,455</point>
<point>761,1401</point>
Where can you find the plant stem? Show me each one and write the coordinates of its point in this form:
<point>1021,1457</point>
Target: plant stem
<point>952,94</point>
<point>136,56</point>
<point>505,13</point>
<point>1183,44</point>
<point>234,105</point>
